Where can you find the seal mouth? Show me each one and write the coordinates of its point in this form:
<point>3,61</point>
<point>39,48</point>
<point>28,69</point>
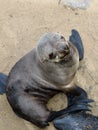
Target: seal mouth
<point>61,54</point>
<point>64,54</point>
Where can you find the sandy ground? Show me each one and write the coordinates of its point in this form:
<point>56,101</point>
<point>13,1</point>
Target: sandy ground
<point>22,22</point>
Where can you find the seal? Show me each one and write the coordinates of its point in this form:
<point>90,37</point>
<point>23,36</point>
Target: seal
<point>45,71</point>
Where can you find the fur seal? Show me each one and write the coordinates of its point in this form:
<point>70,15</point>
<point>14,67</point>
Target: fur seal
<point>48,69</point>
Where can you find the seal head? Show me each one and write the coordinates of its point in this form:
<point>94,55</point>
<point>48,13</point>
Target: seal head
<point>59,58</point>
<point>53,47</point>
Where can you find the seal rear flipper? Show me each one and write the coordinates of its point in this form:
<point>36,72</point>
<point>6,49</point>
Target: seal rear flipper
<point>3,82</point>
<point>76,40</point>
<point>76,121</point>
<point>77,101</point>
<point>71,109</point>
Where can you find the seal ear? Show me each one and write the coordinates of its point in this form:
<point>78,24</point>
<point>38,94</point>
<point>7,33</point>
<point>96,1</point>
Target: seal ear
<point>75,38</point>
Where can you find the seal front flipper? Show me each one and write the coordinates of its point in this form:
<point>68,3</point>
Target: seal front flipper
<point>76,40</point>
<point>3,82</point>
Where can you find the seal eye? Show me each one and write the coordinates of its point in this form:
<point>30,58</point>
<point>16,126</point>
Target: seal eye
<point>52,55</point>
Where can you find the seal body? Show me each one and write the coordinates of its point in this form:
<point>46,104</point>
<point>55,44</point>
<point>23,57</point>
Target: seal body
<point>48,69</point>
